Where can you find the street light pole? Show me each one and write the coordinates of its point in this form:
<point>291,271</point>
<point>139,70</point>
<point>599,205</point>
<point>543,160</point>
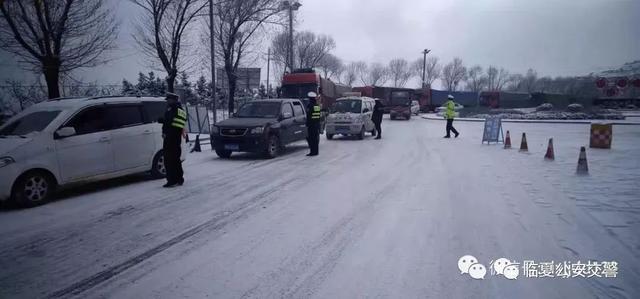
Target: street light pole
<point>424,65</point>
<point>290,38</point>
<point>291,6</point>
<point>214,92</point>
<point>268,71</point>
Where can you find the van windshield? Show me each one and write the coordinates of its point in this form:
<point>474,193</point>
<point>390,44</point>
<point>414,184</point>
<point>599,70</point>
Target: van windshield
<point>32,122</point>
<point>344,106</point>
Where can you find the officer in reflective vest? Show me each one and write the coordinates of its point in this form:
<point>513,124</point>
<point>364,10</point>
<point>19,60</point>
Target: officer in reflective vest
<point>313,124</point>
<point>175,119</point>
<point>450,114</point>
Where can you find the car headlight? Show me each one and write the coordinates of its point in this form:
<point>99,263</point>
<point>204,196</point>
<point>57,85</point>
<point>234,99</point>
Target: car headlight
<point>257,130</point>
<point>4,161</point>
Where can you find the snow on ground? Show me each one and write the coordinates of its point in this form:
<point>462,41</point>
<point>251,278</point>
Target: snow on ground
<point>373,218</point>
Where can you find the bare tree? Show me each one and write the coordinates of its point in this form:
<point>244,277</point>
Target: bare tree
<point>529,80</point>
<point>331,66</point>
<point>543,84</point>
<point>496,78</point>
<point>453,73</point>
<point>161,32</point>
<point>515,82</point>
<point>375,74</point>
<point>308,48</point>
<point>399,72</point>
<point>352,71</point>
<point>236,25</point>
<point>22,96</point>
<point>311,48</point>
<point>475,81</point>
<point>55,37</point>
<point>432,70</point>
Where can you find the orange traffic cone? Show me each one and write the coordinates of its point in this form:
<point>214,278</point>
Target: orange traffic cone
<point>583,168</point>
<point>523,144</point>
<point>507,141</point>
<point>549,155</point>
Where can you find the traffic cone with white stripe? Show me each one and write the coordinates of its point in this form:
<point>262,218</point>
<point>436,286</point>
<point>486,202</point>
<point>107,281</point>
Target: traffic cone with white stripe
<point>507,141</point>
<point>549,155</point>
<point>523,144</point>
<point>583,167</point>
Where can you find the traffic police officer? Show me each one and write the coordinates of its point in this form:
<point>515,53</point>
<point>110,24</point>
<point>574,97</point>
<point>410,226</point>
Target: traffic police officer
<point>313,124</point>
<point>175,119</point>
<point>450,114</point>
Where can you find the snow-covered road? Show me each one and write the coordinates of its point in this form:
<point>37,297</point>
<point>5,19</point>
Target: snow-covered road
<point>374,218</point>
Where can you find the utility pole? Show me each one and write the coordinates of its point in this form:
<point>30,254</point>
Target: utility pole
<point>214,92</point>
<point>268,71</point>
<point>291,6</point>
<point>424,66</point>
<point>290,39</point>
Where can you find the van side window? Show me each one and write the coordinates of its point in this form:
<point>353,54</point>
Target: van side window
<point>124,116</point>
<point>297,109</point>
<point>153,111</point>
<point>90,120</point>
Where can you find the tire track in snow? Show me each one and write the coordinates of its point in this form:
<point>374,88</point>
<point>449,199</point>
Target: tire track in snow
<point>302,274</point>
<point>219,221</point>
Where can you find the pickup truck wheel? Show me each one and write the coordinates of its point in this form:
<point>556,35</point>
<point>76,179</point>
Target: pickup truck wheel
<point>329,136</point>
<point>224,154</point>
<point>33,188</point>
<point>361,134</point>
<point>272,147</point>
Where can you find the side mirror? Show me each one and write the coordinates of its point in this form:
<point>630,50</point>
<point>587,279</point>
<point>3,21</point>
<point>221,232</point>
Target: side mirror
<point>65,132</point>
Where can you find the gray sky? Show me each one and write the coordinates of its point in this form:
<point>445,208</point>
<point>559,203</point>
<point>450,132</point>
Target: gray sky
<point>555,37</point>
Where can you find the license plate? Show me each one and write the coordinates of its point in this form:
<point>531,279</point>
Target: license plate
<point>342,129</point>
<point>231,147</point>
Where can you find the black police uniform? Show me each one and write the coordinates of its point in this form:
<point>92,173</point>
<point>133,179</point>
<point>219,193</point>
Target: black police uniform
<point>313,127</point>
<point>376,117</point>
<point>174,122</point>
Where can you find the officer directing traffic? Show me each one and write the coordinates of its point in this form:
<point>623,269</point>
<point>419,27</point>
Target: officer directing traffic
<point>450,114</point>
<point>175,119</point>
<point>313,124</point>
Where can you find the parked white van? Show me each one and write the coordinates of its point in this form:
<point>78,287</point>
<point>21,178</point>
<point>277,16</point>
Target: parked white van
<point>73,140</point>
<point>351,116</point>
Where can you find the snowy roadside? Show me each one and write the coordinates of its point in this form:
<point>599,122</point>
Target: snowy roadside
<point>433,116</point>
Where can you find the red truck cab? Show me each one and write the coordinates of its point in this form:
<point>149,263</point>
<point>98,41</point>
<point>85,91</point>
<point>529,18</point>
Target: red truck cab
<point>400,104</point>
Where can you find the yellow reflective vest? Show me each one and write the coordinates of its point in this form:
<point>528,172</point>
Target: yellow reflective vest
<point>180,120</point>
<point>315,113</point>
<point>450,111</point>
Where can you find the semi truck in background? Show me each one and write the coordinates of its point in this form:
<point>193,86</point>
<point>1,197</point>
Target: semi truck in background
<point>423,96</point>
<point>300,82</point>
<point>400,104</point>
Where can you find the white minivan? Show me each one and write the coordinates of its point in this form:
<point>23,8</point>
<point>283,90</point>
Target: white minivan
<point>73,140</point>
<point>351,116</point>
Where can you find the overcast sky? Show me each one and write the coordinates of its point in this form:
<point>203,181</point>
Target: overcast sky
<point>555,37</point>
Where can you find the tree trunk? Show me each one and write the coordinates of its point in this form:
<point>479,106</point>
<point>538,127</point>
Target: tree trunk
<point>171,80</point>
<point>51,70</point>
<point>231,78</point>
<point>232,93</point>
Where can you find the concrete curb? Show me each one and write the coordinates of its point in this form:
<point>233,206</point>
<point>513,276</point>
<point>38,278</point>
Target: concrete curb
<point>540,121</point>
